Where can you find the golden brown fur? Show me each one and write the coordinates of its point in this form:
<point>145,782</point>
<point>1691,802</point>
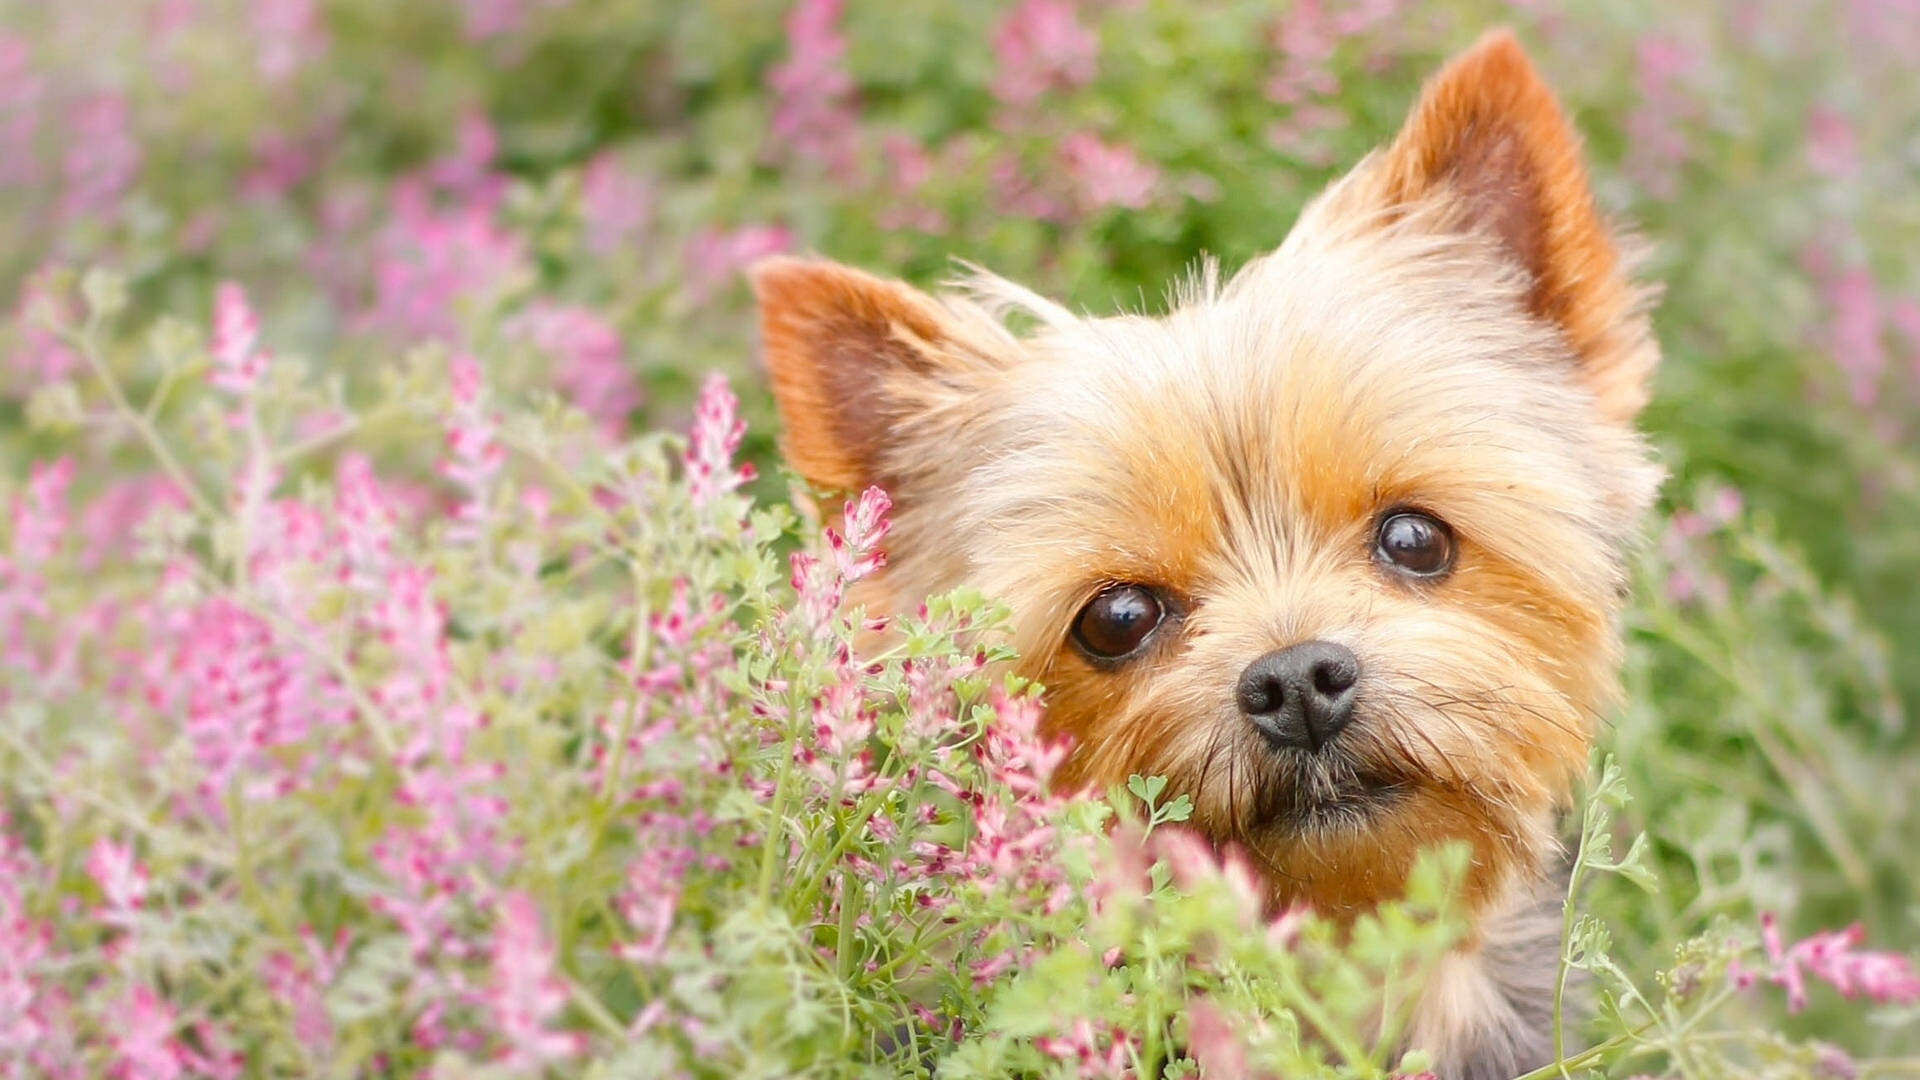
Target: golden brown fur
<point>1450,329</point>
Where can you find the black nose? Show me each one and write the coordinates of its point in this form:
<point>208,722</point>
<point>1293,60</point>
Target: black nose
<point>1302,695</point>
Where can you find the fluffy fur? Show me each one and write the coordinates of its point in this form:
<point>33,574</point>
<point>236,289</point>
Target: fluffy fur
<point>1449,328</point>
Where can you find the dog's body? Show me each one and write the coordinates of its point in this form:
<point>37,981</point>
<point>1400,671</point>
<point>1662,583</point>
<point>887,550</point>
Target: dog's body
<point>1337,546</point>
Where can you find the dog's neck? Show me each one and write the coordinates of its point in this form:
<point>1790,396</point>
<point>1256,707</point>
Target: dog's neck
<point>1487,1014</point>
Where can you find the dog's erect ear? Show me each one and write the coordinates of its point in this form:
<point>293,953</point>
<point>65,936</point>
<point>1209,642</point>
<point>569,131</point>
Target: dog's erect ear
<point>847,352</point>
<point>1489,138</point>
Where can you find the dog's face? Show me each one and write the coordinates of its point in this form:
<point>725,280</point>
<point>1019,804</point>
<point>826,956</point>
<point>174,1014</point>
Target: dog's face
<point>1336,546</point>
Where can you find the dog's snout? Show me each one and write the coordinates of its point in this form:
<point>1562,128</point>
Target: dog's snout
<point>1302,695</point>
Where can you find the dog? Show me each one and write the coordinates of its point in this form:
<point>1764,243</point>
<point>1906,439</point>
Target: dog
<point>1337,545</point>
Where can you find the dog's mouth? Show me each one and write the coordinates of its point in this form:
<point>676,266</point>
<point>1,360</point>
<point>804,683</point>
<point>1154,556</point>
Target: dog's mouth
<point>1317,792</point>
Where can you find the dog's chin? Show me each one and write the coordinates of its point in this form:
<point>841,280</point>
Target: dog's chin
<point>1326,793</point>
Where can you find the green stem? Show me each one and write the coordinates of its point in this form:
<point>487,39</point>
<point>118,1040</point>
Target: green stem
<point>140,424</point>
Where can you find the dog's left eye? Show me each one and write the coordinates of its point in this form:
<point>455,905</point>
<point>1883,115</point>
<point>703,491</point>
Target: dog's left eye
<point>1415,543</point>
<point>1117,622</point>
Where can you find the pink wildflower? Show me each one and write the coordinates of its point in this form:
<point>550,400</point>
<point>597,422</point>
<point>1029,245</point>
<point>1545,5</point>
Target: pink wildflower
<point>814,114</point>
<point>103,158</point>
<point>41,355</point>
<point>714,256</point>
<point>593,371</point>
<point>143,1044</point>
<point>237,366</point>
<point>1832,149</point>
<point>1656,143</point>
<point>287,36</point>
<point>1103,1053</point>
<point>22,96</point>
<point>429,262</point>
<point>474,454</point>
<point>616,205</point>
<point>1214,1043</point>
<point>121,878</point>
<point>717,431</point>
<point>1833,957</point>
<point>1108,174</point>
<point>524,996</point>
<point>1040,45</point>
<point>1854,333</point>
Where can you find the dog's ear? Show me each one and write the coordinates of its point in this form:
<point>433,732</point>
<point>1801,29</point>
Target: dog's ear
<point>1488,139</point>
<point>849,355</point>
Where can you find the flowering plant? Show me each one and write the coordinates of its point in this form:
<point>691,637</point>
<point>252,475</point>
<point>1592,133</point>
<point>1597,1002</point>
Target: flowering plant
<point>405,669</point>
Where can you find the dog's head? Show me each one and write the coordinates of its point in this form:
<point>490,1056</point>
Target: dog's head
<point>1338,545</point>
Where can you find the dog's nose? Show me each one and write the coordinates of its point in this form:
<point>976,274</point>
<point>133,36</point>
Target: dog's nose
<point>1302,695</point>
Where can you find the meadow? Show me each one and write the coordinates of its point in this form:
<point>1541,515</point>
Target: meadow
<point>414,659</point>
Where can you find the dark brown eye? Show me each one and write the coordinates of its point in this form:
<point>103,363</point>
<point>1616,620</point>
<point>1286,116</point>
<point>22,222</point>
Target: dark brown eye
<point>1415,544</point>
<point>1116,622</point>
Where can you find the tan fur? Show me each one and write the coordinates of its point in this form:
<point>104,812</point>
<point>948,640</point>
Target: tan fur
<point>1449,329</point>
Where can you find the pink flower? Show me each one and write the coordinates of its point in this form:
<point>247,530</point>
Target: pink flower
<point>713,256</point>
<point>103,158</point>
<point>1832,149</point>
<point>143,1044</point>
<point>29,1002</point>
<point>1215,1043</point>
<point>813,113</point>
<point>121,878</point>
<point>287,36</point>
<point>1656,144</point>
<point>41,355</point>
<point>593,369</point>
<point>1833,957</point>
<point>429,262</point>
<point>300,983</point>
<point>1091,1053</point>
<point>22,96</point>
<point>1108,174</point>
<point>474,454</point>
<point>617,204</point>
<point>1854,333</point>
<point>237,366</point>
<point>1040,45</point>
<point>717,431</point>
<point>524,996</point>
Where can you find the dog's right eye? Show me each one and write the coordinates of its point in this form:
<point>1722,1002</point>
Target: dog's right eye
<point>1117,622</point>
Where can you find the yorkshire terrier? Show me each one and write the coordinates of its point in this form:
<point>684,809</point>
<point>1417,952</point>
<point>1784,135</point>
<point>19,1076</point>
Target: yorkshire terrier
<point>1337,545</point>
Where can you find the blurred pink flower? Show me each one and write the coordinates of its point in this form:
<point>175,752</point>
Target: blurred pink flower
<point>1108,174</point>
<point>1656,144</point>
<point>1854,333</point>
<point>287,35</point>
<point>429,262</point>
<point>717,431</point>
<point>143,1044</point>
<point>103,158</point>
<point>524,995</point>
<point>1214,1043</point>
<point>122,881</point>
<point>1833,957</point>
<point>41,355</point>
<point>714,256</point>
<point>813,113</point>
<point>237,365</point>
<point>22,97</point>
<point>29,1002</point>
<point>1832,149</point>
<point>1039,45</point>
<point>474,453</point>
<point>1091,1053</point>
<point>616,204</point>
<point>593,371</point>
<point>299,984</point>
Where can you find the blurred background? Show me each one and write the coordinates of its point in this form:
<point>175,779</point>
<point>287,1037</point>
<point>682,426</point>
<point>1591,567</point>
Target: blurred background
<point>575,185</point>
